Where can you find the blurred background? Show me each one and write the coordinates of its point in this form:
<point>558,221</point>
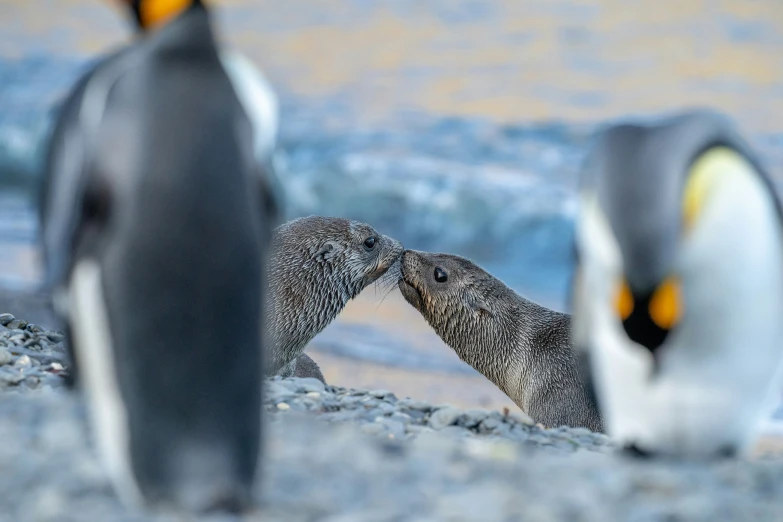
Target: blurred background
<point>452,125</point>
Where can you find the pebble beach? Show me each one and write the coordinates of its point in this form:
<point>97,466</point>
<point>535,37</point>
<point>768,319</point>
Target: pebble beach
<point>341,454</point>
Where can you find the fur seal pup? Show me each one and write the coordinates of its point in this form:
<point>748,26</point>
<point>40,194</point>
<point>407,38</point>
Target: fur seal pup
<point>317,264</point>
<point>520,346</point>
<point>155,219</point>
<point>678,288</point>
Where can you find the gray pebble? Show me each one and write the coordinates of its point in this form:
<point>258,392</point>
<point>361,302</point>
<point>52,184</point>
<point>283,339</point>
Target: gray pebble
<point>16,324</point>
<point>5,356</point>
<point>310,384</point>
<point>394,427</point>
<point>455,431</point>
<point>414,405</point>
<point>401,417</point>
<point>580,431</point>
<point>10,376</point>
<point>444,417</point>
<point>23,361</point>
<point>490,424</point>
<point>277,389</point>
<point>380,394</point>
<point>386,408</point>
<point>5,319</point>
<point>34,328</point>
<point>55,337</point>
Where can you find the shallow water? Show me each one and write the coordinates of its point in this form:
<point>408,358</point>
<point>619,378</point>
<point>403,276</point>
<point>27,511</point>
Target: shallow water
<point>454,126</point>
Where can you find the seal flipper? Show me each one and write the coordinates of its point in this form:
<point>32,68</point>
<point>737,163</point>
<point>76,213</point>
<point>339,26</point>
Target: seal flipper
<point>306,367</point>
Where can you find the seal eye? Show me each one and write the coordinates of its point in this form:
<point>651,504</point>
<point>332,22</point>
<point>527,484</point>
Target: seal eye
<point>369,243</point>
<point>440,275</point>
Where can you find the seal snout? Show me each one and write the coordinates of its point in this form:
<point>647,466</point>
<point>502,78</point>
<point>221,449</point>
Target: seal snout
<point>409,283</point>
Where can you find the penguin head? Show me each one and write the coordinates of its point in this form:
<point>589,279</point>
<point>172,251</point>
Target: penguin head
<point>151,14</point>
<point>646,194</point>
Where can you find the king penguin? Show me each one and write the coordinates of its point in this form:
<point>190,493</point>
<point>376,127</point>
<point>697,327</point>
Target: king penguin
<point>156,213</point>
<point>678,286</point>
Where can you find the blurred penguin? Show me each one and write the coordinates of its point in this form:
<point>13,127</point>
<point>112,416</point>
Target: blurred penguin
<point>156,213</point>
<point>678,291</point>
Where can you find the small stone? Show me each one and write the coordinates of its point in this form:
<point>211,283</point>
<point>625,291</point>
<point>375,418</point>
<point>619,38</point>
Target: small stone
<point>380,394</point>
<point>278,389</point>
<point>16,324</point>
<point>540,439</point>
<point>5,319</point>
<point>309,384</point>
<point>401,417</point>
<point>34,328</point>
<point>456,432</point>
<point>5,356</point>
<point>444,417</point>
<point>10,377</point>
<point>415,429</point>
<point>414,405</point>
<point>283,406</point>
<point>313,395</point>
<point>490,424</point>
<point>55,337</point>
<point>395,428</point>
<point>580,431</point>
<point>522,418</point>
<point>23,360</point>
<point>474,417</point>
<point>386,408</point>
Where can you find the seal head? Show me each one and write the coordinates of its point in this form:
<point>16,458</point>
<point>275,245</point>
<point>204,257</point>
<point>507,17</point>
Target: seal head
<point>318,264</point>
<point>520,346</point>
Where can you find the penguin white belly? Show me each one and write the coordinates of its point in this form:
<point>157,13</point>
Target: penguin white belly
<point>95,358</point>
<point>719,371</point>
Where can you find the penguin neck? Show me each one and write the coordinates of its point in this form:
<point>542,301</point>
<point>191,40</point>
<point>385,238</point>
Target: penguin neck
<point>151,15</point>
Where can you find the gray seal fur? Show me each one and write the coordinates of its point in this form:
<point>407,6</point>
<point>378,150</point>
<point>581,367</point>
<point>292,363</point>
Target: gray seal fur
<point>522,347</point>
<point>317,265</point>
<point>306,367</point>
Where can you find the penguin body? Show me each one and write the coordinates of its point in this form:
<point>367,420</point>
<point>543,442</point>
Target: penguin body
<point>156,215</point>
<point>678,289</point>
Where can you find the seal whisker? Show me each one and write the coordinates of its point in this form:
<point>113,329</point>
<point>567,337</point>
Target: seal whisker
<point>391,289</point>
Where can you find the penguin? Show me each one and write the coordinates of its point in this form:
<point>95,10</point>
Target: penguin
<point>156,213</point>
<point>677,295</point>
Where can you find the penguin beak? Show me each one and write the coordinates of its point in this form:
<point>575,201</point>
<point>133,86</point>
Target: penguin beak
<point>153,13</point>
<point>648,316</point>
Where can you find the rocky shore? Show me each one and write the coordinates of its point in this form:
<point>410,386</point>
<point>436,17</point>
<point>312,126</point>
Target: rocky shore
<point>339,454</point>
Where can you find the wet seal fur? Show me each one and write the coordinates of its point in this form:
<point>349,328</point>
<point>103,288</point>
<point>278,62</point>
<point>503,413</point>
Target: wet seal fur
<point>317,265</point>
<point>520,346</point>
<point>306,367</point>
